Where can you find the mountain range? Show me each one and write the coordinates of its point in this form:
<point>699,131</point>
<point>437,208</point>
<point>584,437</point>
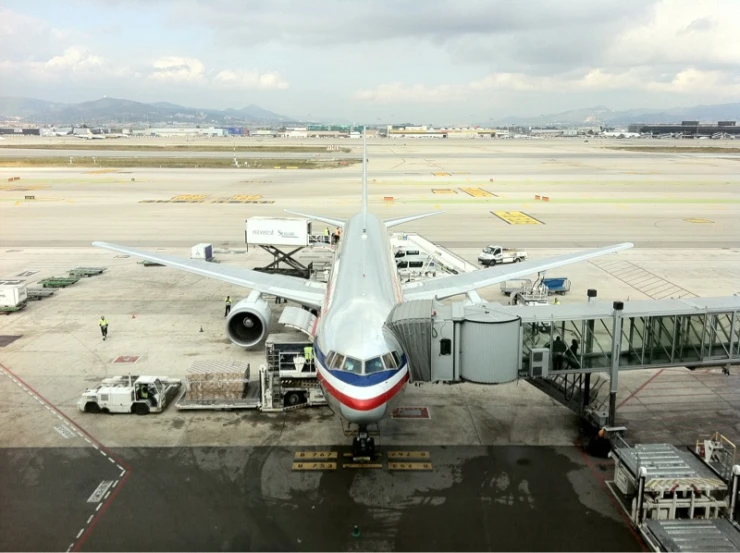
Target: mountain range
<point>111,111</point>
<point>106,111</point>
<point>601,115</point>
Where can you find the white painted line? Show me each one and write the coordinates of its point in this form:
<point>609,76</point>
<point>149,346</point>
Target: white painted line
<point>47,407</point>
<point>90,519</point>
<point>111,459</point>
<point>120,467</point>
<point>13,379</point>
<point>80,533</point>
<point>122,473</point>
<point>115,484</point>
<point>98,507</point>
<point>106,495</point>
<point>103,453</point>
<point>96,447</point>
<point>100,491</point>
<point>87,440</point>
<point>71,545</point>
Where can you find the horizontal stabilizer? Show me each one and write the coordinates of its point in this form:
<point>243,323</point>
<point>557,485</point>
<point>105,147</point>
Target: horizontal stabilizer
<point>401,220</point>
<point>327,220</point>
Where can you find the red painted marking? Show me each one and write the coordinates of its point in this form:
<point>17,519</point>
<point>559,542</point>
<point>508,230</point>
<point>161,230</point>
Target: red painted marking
<point>73,423</point>
<point>363,404</point>
<point>103,509</point>
<point>112,496</point>
<point>602,482</point>
<point>633,394</point>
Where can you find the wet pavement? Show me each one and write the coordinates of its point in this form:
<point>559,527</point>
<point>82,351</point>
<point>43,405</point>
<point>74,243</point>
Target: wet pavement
<point>515,498</point>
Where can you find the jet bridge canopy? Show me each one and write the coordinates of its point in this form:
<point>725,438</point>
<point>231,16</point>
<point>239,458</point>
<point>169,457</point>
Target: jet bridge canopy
<point>558,347</point>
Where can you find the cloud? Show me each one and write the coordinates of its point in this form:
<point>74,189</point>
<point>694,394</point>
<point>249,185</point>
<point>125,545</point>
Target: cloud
<point>176,69</point>
<point>250,80</point>
<point>689,81</point>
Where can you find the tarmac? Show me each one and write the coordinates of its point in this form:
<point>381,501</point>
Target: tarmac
<point>507,472</point>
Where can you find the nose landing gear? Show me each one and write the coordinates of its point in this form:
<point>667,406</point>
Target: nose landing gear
<point>363,446</point>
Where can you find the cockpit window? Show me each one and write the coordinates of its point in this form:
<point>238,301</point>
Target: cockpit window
<point>373,365</point>
<point>335,360</point>
<point>397,357</point>
<point>390,362</point>
<point>352,365</point>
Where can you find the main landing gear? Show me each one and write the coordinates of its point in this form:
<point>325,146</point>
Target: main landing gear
<point>363,445</point>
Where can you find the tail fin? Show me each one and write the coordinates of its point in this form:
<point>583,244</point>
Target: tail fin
<point>364,180</point>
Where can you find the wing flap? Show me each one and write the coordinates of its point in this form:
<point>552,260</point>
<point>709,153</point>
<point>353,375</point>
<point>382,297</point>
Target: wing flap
<point>295,289</point>
<point>446,287</point>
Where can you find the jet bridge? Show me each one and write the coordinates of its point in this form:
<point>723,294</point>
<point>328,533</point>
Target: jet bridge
<point>489,343</point>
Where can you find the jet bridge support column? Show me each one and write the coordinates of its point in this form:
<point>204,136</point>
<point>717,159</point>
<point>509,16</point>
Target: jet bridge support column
<point>614,371</point>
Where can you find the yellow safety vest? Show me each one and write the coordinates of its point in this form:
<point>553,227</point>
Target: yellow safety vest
<point>103,322</point>
<point>308,353</point>
<point>228,300</point>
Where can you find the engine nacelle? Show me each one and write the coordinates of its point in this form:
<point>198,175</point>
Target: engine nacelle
<point>249,321</point>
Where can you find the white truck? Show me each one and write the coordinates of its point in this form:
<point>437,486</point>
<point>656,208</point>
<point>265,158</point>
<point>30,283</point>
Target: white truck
<point>13,296</point>
<point>494,255</point>
<point>130,394</point>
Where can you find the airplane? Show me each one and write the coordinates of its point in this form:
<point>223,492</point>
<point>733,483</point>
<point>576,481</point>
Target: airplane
<point>361,366</point>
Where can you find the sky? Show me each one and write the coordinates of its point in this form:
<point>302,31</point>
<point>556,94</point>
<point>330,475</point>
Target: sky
<point>423,61</point>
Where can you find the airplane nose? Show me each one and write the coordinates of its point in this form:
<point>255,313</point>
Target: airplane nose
<point>364,417</point>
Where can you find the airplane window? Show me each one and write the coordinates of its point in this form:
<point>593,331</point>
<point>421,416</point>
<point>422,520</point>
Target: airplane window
<point>373,365</point>
<point>397,357</point>
<point>390,362</point>
<point>352,365</point>
<point>337,361</point>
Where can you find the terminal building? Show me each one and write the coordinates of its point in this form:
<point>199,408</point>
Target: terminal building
<point>690,129</point>
<point>424,131</point>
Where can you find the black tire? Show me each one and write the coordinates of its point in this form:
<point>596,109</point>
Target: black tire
<point>140,408</point>
<point>293,398</point>
<point>517,260</point>
<point>92,407</point>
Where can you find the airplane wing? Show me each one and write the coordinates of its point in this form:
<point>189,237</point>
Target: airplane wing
<point>401,220</point>
<point>328,220</point>
<point>463,283</point>
<point>302,291</point>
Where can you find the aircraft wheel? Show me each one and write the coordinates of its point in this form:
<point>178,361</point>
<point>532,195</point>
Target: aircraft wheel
<point>292,399</point>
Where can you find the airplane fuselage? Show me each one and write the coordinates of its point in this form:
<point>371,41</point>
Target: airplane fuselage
<point>361,367</point>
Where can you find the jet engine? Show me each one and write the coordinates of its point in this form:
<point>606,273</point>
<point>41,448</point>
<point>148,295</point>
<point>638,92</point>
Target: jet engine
<point>249,320</point>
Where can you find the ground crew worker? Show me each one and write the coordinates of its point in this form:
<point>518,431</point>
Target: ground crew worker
<point>326,234</point>
<point>308,354</point>
<point>103,326</point>
<point>144,392</point>
<point>558,348</point>
<point>227,303</point>
<point>556,301</point>
<point>339,234</point>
